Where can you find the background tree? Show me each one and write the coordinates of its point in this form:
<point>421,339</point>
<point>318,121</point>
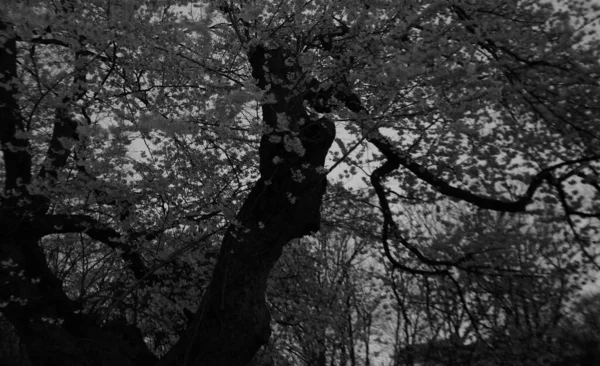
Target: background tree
<point>510,310</point>
<point>159,155</point>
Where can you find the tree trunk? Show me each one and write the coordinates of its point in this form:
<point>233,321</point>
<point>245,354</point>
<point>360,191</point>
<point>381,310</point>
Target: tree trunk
<point>233,320</point>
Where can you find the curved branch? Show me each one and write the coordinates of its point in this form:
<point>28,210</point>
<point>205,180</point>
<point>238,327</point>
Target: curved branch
<point>61,224</point>
<point>388,221</point>
<point>447,189</point>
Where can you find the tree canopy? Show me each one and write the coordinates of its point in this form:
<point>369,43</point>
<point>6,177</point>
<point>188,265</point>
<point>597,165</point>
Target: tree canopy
<point>298,182</point>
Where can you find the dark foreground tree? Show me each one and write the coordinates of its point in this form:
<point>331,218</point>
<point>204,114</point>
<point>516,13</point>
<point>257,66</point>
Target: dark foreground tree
<point>158,155</point>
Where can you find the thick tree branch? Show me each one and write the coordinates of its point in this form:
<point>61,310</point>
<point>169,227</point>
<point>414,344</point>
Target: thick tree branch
<point>60,224</point>
<point>447,189</point>
<point>64,134</point>
<point>64,131</point>
<point>394,159</point>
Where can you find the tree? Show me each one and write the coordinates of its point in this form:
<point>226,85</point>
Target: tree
<point>159,155</point>
<point>511,312</point>
<point>323,294</point>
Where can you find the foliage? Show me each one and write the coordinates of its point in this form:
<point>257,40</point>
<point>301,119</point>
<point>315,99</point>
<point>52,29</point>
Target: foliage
<point>159,156</point>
